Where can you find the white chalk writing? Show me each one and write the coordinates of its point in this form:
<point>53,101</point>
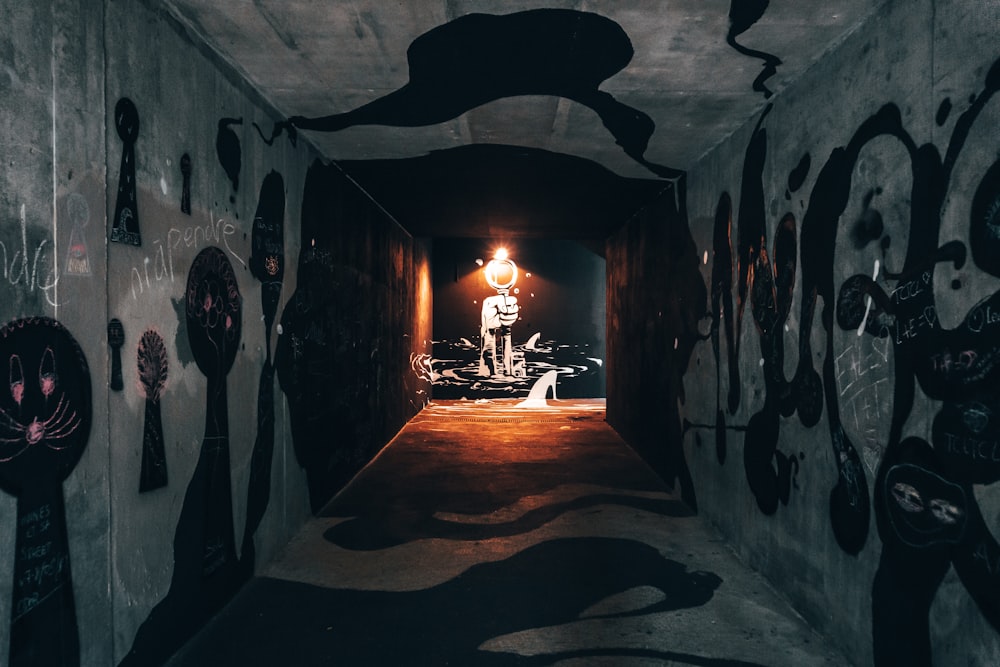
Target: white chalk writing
<point>22,268</point>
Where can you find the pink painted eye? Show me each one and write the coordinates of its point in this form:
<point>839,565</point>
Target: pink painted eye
<point>16,379</point>
<point>229,322</point>
<point>47,373</point>
<point>208,303</point>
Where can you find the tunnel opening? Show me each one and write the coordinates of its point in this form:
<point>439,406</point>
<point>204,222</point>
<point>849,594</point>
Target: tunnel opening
<point>529,323</point>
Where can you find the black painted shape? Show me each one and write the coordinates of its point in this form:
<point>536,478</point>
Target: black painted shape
<point>45,417</point>
<point>186,187</point>
<point>984,222</point>
<point>722,308</point>
<point>381,530</point>
<point>849,500</point>
<point>742,15</point>
<point>462,188</point>
<point>868,226</point>
<point>125,223</point>
<point>908,576</point>
<point>304,355</point>
<point>479,58</point>
<point>770,472</point>
<point>797,176</point>
<point>751,232</point>
<point>543,586</point>
<point>206,573</point>
<point>943,112</point>
<point>116,338</point>
<point>267,264</point>
<point>213,324</point>
<point>227,148</point>
<point>267,253</point>
<point>151,361</point>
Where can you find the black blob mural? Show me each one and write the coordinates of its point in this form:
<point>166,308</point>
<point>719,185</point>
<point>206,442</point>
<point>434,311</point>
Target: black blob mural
<point>306,354</point>
<point>45,414</point>
<point>213,309</point>
<point>267,264</point>
<point>742,15</point>
<point>479,58</point>
<point>151,361</point>
<point>926,511</point>
<point>186,184</point>
<point>206,572</point>
<point>125,223</point>
<point>116,338</point>
<point>229,152</point>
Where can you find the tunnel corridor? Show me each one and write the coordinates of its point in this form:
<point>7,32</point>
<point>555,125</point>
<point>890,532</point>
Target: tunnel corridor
<point>489,532</point>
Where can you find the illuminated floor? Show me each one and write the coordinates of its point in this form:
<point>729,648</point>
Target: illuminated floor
<point>487,534</point>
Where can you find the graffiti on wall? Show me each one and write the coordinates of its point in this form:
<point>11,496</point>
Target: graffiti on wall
<point>77,255</point>
<point>229,152</point>
<point>125,223</point>
<point>116,338</point>
<point>152,363</point>
<point>267,264</point>
<point>45,414</point>
<point>882,340</point>
<point>206,570</point>
<point>186,184</point>
<point>498,315</point>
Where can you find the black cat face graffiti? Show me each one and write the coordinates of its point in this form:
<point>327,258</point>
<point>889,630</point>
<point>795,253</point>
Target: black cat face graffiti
<point>45,404</point>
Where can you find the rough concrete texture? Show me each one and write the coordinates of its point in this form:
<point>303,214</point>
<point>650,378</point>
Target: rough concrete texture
<point>491,534</point>
<point>789,495</point>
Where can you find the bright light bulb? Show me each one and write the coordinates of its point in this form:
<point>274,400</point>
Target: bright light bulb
<point>501,254</point>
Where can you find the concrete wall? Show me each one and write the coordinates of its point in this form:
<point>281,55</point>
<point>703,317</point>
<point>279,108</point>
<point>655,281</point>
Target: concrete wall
<point>856,465</point>
<point>105,559</point>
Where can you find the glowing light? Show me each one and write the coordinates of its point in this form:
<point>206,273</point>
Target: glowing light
<point>501,274</point>
<point>500,254</point>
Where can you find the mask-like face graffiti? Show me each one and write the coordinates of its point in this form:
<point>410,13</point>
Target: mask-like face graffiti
<point>213,312</point>
<point>924,508</point>
<point>45,405</point>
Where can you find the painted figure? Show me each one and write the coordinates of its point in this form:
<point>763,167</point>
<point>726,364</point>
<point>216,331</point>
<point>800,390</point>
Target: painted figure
<point>498,315</point>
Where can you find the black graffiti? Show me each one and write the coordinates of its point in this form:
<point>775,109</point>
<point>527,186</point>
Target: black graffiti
<point>742,15</point>
<point>116,338</point>
<point>228,150</point>
<point>45,414</point>
<point>125,223</point>
<point>186,186</point>
<point>478,58</point>
<point>152,363</point>
<point>926,514</point>
<point>267,264</point>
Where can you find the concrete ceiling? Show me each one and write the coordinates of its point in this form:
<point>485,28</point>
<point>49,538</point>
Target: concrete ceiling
<point>641,88</point>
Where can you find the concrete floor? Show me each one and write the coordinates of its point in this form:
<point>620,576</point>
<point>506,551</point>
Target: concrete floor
<point>491,534</point>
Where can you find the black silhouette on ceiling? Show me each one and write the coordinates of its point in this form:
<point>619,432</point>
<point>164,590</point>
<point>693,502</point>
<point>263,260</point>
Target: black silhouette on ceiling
<point>742,15</point>
<point>479,58</point>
